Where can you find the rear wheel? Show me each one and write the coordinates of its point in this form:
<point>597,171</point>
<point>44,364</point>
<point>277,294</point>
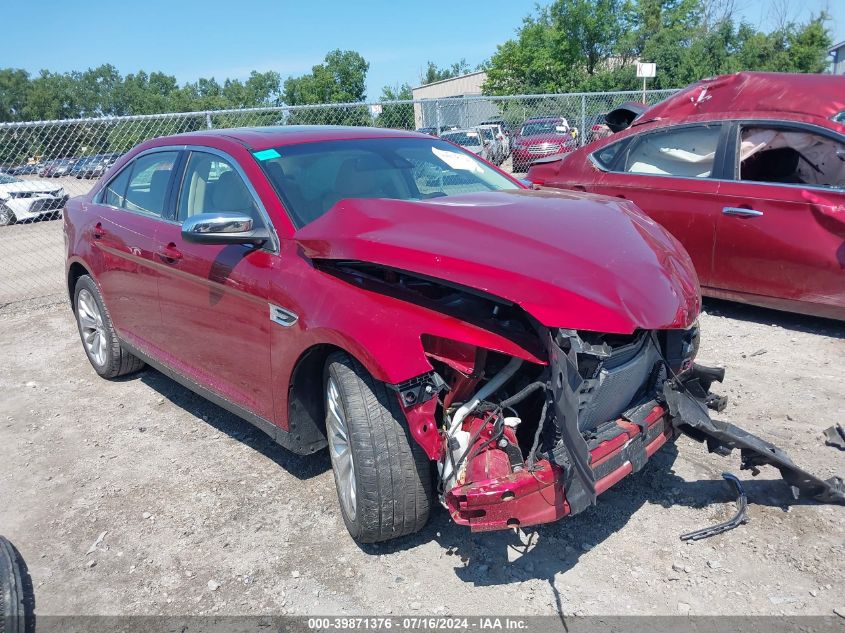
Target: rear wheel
<point>382,476</point>
<point>97,332</point>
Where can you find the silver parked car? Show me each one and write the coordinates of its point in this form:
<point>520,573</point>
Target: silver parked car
<point>502,138</point>
<point>471,140</point>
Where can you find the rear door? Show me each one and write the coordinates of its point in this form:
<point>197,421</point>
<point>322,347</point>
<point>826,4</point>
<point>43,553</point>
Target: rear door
<point>671,174</point>
<point>214,299</point>
<point>127,214</point>
<point>781,233</point>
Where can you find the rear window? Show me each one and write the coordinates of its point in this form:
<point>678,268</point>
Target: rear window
<point>465,139</point>
<point>551,127</point>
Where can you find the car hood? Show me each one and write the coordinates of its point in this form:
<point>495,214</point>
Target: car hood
<point>570,260</point>
<point>27,186</point>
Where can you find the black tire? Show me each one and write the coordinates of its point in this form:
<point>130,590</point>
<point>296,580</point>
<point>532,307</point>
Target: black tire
<point>117,361</point>
<point>15,585</point>
<point>392,473</point>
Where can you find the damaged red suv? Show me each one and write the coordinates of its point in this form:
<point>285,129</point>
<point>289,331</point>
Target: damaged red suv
<point>447,333</point>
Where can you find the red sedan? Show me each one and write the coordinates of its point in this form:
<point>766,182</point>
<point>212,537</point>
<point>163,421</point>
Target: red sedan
<point>540,138</point>
<point>748,172</point>
<point>390,295</point>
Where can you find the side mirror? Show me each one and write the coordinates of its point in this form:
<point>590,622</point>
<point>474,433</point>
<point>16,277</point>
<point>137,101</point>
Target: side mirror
<point>223,228</point>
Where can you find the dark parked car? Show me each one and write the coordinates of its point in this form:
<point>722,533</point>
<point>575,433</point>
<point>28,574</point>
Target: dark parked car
<point>57,168</point>
<point>748,172</point>
<point>29,169</point>
<point>93,166</point>
<point>390,295</point>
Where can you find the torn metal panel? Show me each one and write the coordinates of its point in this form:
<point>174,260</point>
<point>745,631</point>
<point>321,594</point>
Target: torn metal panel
<point>835,436</point>
<point>690,416</point>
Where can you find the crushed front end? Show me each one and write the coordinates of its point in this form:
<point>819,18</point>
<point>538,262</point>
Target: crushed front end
<point>523,443</point>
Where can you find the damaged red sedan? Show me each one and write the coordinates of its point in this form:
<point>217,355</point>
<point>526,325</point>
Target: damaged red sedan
<point>748,172</point>
<point>447,333</point>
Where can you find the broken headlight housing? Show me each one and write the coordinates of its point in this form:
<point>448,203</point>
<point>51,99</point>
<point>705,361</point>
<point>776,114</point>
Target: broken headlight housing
<point>680,347</point>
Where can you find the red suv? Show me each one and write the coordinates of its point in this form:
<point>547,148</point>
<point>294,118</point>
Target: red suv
<point>540,138</point>
<point>390,295</point>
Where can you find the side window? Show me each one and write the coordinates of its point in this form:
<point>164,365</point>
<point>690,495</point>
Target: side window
<point>606,156</point>
<point>687,152</point>
<point>211,185</point>
<point>147,187</point>
<point>115,192</point>
<point>790,156</point>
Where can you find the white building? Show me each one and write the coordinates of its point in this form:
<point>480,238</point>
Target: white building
<point>443,104</point>
<point>838,54</point>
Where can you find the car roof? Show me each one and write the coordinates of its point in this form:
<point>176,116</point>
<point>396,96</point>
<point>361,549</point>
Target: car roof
<point>260,138</point>
<point>461,131</point>
<point>747,92</point>
<point>545,119</point>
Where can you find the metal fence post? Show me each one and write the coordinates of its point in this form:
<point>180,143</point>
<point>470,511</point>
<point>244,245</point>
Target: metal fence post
<point>437,115</point>
<point>208,120</point>
<point>583,120</point>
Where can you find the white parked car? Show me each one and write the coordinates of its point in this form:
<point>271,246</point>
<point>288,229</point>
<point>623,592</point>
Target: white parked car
<point>26,199</point>
<point>501,137</point>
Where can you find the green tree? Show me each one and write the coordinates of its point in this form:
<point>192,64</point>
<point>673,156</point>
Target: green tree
<point>14,85</point>
<point>396,115</point>
<point>584,45</point>
<point>341,78</point>
<point>434,73</point>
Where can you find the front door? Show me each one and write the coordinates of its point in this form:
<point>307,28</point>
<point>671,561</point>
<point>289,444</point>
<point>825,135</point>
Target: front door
<point>671,175</point>
<point>214,299</point>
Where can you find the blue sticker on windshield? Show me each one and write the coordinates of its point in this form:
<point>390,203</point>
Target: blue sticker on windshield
<point>266,154</point>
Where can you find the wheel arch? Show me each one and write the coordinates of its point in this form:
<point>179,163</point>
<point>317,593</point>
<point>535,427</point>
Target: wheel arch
<point>75,270</point>
<point>306,413</point>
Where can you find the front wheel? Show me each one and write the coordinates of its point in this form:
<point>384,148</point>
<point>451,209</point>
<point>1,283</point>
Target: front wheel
<point>383,477</point>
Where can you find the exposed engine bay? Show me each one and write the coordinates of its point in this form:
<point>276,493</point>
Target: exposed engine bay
<point>520,443</point>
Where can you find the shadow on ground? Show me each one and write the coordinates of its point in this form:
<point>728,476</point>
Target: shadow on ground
<point>300,466</point>
<point>765,316</point>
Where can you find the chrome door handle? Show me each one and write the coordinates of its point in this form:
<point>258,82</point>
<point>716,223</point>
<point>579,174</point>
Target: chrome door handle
<point>741,212</point>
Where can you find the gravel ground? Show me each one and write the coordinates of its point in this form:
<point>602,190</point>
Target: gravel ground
<point>138,497</point>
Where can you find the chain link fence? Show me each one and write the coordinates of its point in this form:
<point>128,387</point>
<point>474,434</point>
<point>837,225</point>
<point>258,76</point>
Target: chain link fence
<point>43,164</point>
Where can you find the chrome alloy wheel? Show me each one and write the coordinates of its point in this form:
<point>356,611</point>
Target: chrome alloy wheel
<point>91,325</point>
<point>339,449</point>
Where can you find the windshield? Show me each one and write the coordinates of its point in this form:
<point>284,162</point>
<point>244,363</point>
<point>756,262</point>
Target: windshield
<point>6,179</point>
<point>311,177</point>
<point>546,127</point>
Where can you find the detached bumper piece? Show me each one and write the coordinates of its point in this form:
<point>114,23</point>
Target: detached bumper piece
<point>736,520</point>
<point>689,415</point>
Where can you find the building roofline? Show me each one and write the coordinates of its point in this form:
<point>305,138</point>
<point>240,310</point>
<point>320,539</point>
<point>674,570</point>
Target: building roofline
<point>443,81</point>
<point>836,47</point>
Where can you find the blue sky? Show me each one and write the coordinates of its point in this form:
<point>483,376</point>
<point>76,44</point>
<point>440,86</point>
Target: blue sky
<point>191,39</point>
